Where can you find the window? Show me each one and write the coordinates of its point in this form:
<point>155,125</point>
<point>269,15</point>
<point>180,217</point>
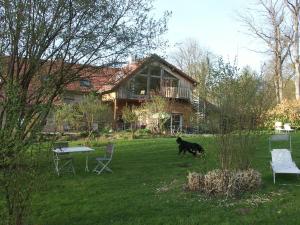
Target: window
<point>144,71</point>
<point>85,83</point>
<point>139,85</point>
<point>169,80</point>
<point>155,70</point>
<point>69,99</point>
<point>174,123</point>
<point>155,84</point>
<point>168,75</point>
<point>170,83</point>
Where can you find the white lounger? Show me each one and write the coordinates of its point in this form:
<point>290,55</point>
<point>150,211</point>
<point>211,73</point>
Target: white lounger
<point>282,162</point>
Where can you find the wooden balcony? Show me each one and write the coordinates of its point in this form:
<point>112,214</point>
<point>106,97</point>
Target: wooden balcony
<point>177,92</point>
<point>169,92</point>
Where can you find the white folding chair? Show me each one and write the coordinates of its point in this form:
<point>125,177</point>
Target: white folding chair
<point>62,160</point>
<point>287,127</point>
<point>282,163</point>
<point>278,127</point>
<point>103,162</point>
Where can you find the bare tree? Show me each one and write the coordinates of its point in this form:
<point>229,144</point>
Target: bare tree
<point>294,8</point>
<point>274,33</point>
<point>46,45</point>
<point>196,62</point>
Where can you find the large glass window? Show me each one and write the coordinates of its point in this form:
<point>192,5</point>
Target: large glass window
<point>154,84</point>
<point>155,70</point>
<point>169,80</point>
<point>139,85</point>
<point>144,71</point>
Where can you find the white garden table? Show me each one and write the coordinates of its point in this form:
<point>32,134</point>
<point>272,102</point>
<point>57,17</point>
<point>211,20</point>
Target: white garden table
<point>65,150</point>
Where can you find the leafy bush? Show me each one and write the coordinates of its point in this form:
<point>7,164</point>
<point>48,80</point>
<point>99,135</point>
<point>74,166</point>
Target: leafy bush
<point>143,132</point>
<point>288,111</point>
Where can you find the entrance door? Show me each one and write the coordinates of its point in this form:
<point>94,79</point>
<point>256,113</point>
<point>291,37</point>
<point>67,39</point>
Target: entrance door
<point>176,123</point>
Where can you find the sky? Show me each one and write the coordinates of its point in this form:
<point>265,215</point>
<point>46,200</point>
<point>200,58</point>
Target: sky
<point>214,23</point>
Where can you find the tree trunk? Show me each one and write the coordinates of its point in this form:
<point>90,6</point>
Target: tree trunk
<point>278,63</point>
<point>278,79</point>
<point>294,7</point>
<point>295,56</point>
<point>297,79</point>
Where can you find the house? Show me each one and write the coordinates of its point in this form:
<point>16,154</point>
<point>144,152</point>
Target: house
<point>134,84</point>
<point>141,80</point>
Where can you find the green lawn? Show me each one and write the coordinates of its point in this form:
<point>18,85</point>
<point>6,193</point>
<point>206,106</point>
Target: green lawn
<point>146,187</point>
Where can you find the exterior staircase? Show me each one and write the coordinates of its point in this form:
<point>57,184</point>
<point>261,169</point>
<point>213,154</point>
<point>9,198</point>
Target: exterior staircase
<point>199,106</point>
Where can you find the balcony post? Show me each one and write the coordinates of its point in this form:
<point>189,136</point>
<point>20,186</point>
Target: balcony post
<point>115,114</point>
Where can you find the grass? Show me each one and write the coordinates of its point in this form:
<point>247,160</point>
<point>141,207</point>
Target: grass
<point>146,187</point>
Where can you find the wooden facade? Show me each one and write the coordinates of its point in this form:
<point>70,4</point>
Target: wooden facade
<point>154,78</point>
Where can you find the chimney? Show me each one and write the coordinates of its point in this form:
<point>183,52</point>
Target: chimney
<point>130,59</point>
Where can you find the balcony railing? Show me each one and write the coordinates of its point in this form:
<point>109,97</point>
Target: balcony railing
<point>177,92</point>
<point>169,92</point>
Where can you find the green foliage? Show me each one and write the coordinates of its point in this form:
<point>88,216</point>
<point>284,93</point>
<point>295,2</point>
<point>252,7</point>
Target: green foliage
<point>156,112</point>
<point>65,114</point>
<point>85,114</point>
<point>92,111</point>
<point>286,112</point>
<point>131,115</point>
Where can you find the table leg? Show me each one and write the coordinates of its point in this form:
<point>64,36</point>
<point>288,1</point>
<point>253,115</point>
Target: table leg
<point>87,163</point>
<point>56,159</point>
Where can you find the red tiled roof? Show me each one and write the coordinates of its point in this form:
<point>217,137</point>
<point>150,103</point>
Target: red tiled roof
<point>109,79</point>
<point>97,77</point>
<point>102,79</point>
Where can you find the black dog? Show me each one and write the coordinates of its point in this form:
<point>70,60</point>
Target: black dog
<point>188,146</point>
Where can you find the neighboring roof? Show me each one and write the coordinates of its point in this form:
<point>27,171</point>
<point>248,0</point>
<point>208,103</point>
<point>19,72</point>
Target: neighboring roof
<point>98,78</point>
<point>130,70</point>
<point>103,79</point>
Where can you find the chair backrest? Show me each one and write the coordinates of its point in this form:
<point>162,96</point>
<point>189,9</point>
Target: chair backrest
<point>60,145</point>
<point>281,156</point>
<point>287,126</point>
<point>280,138</point>
<point>110,150</point>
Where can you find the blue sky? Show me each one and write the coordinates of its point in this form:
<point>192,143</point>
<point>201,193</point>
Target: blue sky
<point>215,25</point>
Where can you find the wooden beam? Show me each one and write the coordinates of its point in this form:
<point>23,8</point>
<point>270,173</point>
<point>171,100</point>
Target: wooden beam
<point>148,82</point>
<point>115,114</point>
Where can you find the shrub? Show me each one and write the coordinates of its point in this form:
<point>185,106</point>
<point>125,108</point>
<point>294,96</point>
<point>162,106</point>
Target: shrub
<point>288,111</point>
<point>224,182</point>
<point>195,181</point>
<point>144,132</point>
